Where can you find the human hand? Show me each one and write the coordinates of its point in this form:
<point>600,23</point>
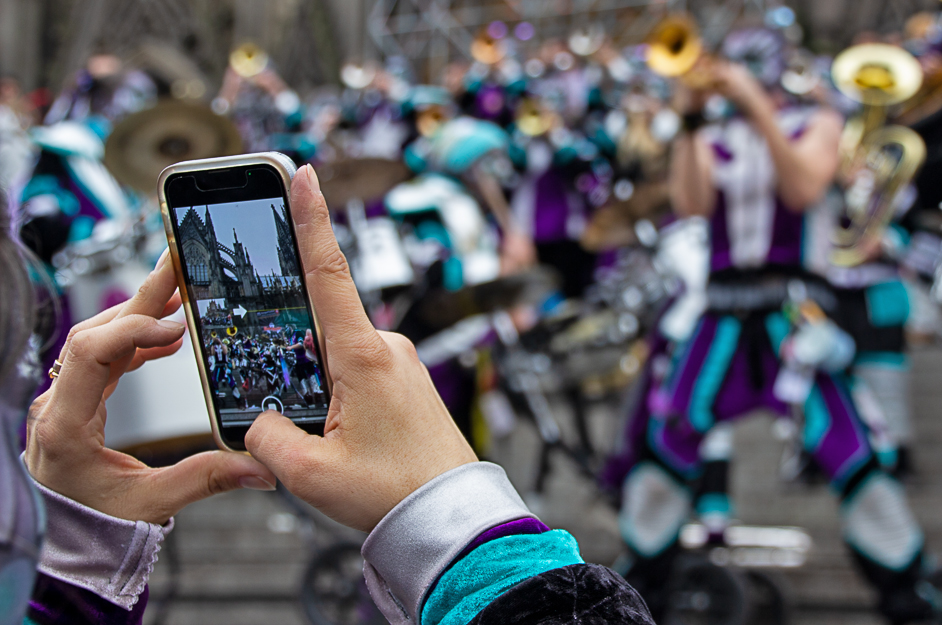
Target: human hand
<point>387,431</point>
<point>688,98</point>
<point>65,446</point>
<point>269,80</point>
<point>517,252</point>
<point>734,82</point>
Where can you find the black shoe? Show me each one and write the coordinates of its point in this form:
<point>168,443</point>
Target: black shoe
<point>905,467</point>
<point>911,606</point>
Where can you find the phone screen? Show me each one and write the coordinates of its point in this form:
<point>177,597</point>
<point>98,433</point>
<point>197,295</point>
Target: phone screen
<point>243,275</point>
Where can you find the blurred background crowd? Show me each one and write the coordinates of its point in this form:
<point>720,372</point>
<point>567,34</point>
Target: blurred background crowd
<point>503,178</point>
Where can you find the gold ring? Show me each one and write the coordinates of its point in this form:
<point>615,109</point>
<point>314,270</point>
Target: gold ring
<point>54,369</point>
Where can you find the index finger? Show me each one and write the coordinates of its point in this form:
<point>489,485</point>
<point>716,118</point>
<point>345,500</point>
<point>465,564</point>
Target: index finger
<point>152,297</point>
<point>87,367</point>
<point>327,275</point>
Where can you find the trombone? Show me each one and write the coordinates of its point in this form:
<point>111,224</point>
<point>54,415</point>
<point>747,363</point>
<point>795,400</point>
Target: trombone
<point>880,160</point>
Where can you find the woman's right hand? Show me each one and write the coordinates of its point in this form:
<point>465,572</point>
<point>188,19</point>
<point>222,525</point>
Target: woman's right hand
<point>65,444</point>
<point>387,430</point>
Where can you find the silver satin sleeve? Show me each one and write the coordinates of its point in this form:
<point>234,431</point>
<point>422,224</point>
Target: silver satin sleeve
<point>412,545</point>
<point>111,557</point>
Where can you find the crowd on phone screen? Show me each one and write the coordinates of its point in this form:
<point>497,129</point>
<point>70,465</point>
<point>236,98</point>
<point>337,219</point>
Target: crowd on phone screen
<point>269,362</point>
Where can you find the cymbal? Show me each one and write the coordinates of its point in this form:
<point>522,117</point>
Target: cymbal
<point>445,308</point>
<point>143,144</point>
<point>359,178</point>
<point>876,73</point>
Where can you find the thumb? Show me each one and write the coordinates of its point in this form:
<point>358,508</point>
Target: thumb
<point>290,452</point>
<point>203,475</point>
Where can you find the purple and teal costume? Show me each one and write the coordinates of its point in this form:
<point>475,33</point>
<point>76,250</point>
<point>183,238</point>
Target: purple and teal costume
<point>728,368</point>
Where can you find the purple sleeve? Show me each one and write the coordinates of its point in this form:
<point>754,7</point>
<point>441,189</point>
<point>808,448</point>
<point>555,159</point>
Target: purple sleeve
<point>520,526</point>
<point>530,525</point>
<point>56,602</point>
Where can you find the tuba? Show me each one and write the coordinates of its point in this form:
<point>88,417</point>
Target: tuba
<point>878,160</point>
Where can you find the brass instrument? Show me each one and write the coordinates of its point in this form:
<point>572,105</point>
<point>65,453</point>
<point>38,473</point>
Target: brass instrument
<point>248,60</point>
<point>356,75</point>
<point>587,40</point>
<point>877,75</point>
<point>675,47</point>
<point>533,119</point>
<point>879,160</point>
<point>430,119</point>
<point>800,76</point>
<point>486,49</point>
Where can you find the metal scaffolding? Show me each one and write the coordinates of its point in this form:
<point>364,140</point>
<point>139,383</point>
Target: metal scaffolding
<point>432,33</point>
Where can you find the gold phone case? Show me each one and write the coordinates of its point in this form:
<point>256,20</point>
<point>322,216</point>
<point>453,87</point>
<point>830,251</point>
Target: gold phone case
<point>286,169</point>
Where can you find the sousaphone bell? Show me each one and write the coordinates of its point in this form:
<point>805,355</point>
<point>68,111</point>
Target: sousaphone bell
<point>876,74</point>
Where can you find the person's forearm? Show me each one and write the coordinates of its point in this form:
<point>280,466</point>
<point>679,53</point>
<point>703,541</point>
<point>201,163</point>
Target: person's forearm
<point>691,189</point>
<point>465,549</point>
<point>108,558</point>
<point>494,198</point>
<point>801,181</point>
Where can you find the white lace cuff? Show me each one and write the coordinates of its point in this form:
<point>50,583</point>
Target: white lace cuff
<point>111,557</point>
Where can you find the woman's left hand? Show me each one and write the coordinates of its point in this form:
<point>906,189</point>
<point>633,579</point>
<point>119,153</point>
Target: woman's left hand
<point>65,448</point>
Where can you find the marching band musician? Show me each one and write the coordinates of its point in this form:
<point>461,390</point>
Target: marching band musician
<point>753,177</point>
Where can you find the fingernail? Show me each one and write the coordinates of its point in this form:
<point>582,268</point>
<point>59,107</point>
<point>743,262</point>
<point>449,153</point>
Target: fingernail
<point>170,325</point>
<point>162,259</point>
<point>253,482</point>
<point>312,177</point>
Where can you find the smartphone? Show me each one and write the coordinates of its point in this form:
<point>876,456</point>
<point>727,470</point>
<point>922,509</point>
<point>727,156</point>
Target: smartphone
<point>235,252</point>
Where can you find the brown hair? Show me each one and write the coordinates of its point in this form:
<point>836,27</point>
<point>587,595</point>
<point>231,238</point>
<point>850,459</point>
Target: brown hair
<point>17,297</point>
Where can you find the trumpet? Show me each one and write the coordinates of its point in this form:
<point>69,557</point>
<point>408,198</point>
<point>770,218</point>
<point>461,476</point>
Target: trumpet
<point>248,60</point>
<point>675,47</point>
<point>879,160</point>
